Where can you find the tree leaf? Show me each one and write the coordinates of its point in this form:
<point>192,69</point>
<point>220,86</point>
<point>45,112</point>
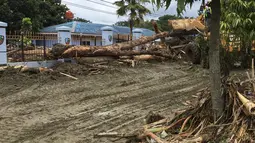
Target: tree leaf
<point>180,6</point>
<point>168,2</point>
<point>158,3</point>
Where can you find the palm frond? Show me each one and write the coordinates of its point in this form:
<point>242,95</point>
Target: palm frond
<point>144,1</point>
<point>120,3</point>
<point>122,11</point>
<point>134,7</point>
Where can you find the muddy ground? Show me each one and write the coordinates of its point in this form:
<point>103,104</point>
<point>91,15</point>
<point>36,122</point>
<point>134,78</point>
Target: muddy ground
<point>52,108</point>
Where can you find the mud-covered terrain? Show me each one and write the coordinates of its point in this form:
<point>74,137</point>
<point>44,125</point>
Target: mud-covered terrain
<point>50,108</point>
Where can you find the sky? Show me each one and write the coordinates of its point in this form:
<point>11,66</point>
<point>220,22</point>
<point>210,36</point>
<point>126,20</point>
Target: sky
<point>104,12</point>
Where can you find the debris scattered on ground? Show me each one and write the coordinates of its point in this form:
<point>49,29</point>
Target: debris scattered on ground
<point>67,69</point>
<point>196,124</point>
<point>37,108</point>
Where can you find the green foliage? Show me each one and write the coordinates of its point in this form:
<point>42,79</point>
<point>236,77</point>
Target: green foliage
<point>26,41</point>
<point>81,20</point>
<point>238,17</point>
<point>162,23</point>
<point>42,13</point>
<point>180,4</point>
<point>143,24</point>
<point>26,24</point>
<point>122,23</point>
<point>26,27</point>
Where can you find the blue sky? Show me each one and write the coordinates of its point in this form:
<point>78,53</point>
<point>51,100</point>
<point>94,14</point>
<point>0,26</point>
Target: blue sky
<point>111,18</point>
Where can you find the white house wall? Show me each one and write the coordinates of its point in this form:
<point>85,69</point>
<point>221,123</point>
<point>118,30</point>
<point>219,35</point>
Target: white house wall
<point>50,43</point>
<point>98,41</point>
<point>76,42</point>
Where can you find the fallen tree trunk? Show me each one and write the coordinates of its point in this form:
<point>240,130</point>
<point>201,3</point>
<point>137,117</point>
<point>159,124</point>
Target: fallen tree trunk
<point>118,49</point>
<point>80,52</point>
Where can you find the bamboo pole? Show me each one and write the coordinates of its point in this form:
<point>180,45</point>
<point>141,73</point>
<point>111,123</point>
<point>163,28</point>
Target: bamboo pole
<point>68,75</point>
<point>249,105</point>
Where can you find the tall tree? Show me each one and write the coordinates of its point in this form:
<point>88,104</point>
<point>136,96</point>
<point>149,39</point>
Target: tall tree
<point>214,61</point>
<point>42,13</point>
<point>134,9</point>
<point>214,54</point>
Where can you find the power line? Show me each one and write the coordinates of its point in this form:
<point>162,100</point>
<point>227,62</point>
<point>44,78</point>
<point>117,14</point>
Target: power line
<point>101,4</point>
<point>153,14</point>
<point>107,1</point>
<point>89,8</point>
<point>102,11</point>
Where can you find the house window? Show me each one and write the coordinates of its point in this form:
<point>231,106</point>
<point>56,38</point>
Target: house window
<point>86,43</point>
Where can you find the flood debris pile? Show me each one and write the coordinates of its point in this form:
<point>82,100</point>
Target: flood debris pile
<point>70,70</point>
<point>196,124</point>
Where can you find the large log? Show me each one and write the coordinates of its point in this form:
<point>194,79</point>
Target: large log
<point>118,49</point>
<point>116,53</point>
<point>186,24</point>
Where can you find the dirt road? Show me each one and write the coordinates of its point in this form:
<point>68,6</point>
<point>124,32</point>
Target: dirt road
<point>38,109</point>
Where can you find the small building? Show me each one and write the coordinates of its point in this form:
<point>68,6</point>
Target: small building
<point>87,33</point>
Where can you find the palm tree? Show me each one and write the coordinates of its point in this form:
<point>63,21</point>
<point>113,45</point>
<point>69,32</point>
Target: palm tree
<point>134,9</point>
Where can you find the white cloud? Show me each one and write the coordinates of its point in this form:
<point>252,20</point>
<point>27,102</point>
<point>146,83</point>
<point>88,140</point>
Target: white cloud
<point>99,17</point>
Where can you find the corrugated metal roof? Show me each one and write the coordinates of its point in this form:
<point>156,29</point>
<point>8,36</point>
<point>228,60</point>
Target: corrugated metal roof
<point>93,28</point>
<point>52,29</point>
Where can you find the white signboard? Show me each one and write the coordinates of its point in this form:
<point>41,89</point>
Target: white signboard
<point>107,38</point>
<point>3,54</point>
<point>2,40</point>
<point>64,38</point>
